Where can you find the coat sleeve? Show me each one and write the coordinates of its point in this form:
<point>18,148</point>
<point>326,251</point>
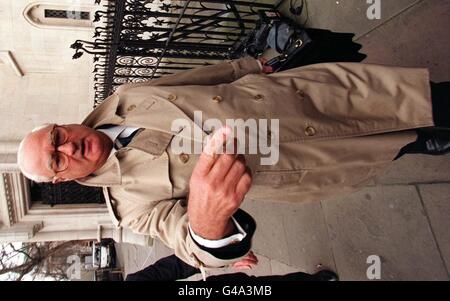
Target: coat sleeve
<point>168,220</point>
<point>221,73</point>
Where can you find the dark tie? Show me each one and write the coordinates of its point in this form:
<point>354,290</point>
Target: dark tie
<point>120,142</point>
<point>124,141</point>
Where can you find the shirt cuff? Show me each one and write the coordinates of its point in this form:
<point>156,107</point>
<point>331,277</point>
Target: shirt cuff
<point>215,244</point>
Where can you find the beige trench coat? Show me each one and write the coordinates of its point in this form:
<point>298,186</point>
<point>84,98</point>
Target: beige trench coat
<point>339,124</point>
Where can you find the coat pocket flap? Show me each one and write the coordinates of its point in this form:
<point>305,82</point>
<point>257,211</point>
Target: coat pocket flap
<point>278,177</point>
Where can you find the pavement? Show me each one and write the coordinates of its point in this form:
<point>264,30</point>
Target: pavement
<point>402,219</point>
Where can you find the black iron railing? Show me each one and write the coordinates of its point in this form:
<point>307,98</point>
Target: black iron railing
<point>143,39</point>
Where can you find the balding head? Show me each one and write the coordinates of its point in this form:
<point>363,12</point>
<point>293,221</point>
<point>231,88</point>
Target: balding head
<point>62,153</point>
<point>26,161</point>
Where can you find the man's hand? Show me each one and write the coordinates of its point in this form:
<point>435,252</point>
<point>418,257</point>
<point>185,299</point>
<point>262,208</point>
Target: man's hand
<point>218,185</point>
<point>265,68</point>
<point>246,263</point>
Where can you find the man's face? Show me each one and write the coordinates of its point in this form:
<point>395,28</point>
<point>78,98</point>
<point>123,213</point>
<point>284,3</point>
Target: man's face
<point>66,152</point>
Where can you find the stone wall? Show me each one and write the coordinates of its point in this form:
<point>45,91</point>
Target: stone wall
<point>54,87</point>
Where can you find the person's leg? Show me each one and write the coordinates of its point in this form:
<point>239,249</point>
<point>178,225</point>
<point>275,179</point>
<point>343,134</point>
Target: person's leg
<point>323,275</point>
<point>440,94</point>
<point>435,140</point>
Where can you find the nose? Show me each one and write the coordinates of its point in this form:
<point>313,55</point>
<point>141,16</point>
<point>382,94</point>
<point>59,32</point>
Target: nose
<point>69,148</point>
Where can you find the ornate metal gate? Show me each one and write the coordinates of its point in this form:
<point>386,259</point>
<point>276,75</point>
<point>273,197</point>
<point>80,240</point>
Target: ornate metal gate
<point>144,39</point>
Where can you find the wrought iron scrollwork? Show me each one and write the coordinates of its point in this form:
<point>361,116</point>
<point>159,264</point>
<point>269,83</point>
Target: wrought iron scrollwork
<point>137,40</point>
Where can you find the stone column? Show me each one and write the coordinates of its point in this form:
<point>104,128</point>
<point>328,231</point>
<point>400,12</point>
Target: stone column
<point>8,156</point>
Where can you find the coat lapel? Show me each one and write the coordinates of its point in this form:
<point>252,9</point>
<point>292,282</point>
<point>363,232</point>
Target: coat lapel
<point>107,175</point>
<point>150,113</point>
<point>159,115</point>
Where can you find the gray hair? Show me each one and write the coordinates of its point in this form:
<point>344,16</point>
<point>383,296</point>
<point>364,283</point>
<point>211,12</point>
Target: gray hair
<point>21,158</point>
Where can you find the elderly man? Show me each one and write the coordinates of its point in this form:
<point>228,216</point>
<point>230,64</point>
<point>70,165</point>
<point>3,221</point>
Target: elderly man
<point>333,127</point>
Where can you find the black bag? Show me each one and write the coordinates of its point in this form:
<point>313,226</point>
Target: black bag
<point>255,43</point>
<point>297,46</point>
<point>273,31</point>
<point>288,40</point>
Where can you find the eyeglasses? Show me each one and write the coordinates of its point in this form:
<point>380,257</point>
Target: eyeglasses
<point>59,161</point>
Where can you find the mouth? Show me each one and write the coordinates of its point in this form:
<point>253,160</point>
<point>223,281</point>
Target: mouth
<point>85,148</point>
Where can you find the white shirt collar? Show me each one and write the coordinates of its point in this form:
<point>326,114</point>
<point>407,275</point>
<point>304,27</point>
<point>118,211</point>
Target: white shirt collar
<point>116,131</point>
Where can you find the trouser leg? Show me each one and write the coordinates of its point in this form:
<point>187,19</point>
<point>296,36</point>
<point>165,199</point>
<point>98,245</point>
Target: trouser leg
<point>436,140</point>
<point>440,95</point>
<point>299,276</point>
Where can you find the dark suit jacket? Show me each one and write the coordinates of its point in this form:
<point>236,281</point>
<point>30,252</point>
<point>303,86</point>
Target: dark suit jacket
<point>172,268</point>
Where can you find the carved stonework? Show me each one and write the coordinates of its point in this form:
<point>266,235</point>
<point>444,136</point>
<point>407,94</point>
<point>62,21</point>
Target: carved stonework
<point>16,197</point>
<point>19,232</point>
<point>14,206</point>
<point>9,202</point>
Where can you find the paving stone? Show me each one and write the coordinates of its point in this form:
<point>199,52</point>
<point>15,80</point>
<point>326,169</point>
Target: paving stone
<point>279,268</point>
<point>387,221</point>
<point>295,234</point>
<point>347,15</point>
<point>263,268</point>
<point>161,250</point>
<point>417,169</point>
<point>416,38</point>
<point>133,258</point>
<point>436,199</point>
<point>307,236</point>
<point>270,238</point>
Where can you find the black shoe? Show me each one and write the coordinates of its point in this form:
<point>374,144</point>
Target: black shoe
<point>326,275</point>
<point>433,142</point>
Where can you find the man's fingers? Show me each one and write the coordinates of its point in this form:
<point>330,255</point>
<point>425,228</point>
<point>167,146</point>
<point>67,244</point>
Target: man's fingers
<point>208,156</point>
<point>244,184</point>
<point>242,267</point>
<point>252,256</point>
<point>245,263</point>
<point>222,166</point>
<point>224,162</point>
<point>204,164</point>
<point>236,171</point>
<point>215,144</point>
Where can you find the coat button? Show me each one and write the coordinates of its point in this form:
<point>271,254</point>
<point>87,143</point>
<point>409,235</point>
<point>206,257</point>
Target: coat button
<point>184,158</point>
<point>172,97</point>
<point>310,131</point>
<point>131,108</point>
<point>301,93</point>
<point>258,97</point>
<point>217,99</point>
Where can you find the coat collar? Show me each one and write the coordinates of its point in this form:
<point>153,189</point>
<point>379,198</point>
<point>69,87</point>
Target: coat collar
<point>104,113</point>
<point>149,113</point>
